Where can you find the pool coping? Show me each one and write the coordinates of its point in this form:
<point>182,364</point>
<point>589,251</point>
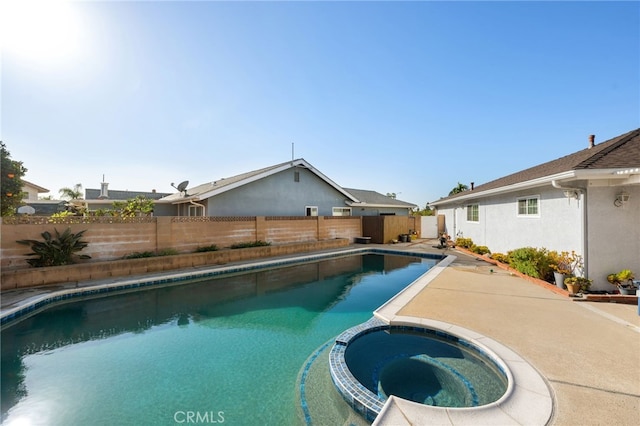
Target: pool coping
<point>529,398</point>
<point>31,305</point>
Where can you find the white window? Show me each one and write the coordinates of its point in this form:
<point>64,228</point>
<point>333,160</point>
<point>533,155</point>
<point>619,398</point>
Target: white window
<point>472,213</point>
<point>196,210</point>
<point>529,206</point>
<point>342,211</point>
<point>311,210</point>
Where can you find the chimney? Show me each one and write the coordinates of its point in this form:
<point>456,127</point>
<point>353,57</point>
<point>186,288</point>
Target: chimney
<point>472,184</point>
<point>104,191</point>
<point>592,139</point>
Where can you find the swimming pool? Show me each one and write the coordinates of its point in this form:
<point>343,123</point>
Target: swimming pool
<point>225,349</point>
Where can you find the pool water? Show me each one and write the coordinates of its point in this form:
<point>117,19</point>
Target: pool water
<point>225,350</point>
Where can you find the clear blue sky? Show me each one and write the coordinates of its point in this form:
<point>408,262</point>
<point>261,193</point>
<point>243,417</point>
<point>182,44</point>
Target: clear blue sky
<point>408,97</point>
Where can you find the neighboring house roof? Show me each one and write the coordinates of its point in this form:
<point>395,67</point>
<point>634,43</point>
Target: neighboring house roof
<point>621,152</point>
<point>375,199</point>
<point>34,186</point>
<point>94,194</point>
<point>210,189</point>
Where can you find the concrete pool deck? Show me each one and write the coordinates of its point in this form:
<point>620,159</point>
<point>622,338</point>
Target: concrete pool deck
<point>588,352</point>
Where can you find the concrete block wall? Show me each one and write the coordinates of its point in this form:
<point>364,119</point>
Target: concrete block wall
<point>113,238</point>
<point>290,229</point>
<point>33,277</point>
<point>339,227</point>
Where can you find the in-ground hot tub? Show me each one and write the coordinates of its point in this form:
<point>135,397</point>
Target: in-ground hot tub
<point>375,360</point>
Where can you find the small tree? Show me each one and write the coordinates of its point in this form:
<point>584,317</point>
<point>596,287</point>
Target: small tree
<point>139,206</point>
<point>426,211</point>
<point>11,182</point>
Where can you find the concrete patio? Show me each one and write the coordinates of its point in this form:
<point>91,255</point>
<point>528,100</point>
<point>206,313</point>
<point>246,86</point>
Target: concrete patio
<point>588,352</point>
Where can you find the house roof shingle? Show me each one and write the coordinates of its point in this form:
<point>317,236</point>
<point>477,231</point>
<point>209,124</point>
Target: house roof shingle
<point>619,152</point>
<point>373,198</point>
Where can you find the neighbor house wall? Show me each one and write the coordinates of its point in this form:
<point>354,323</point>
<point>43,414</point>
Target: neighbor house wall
<point>278,195</point>
<point>613,234</point>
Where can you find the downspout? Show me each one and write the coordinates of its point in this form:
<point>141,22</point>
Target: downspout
<point>557,185</point>
<point>585,228</point>
<point>585,235</point>
<point>455,214</point>
<point>199,205</point>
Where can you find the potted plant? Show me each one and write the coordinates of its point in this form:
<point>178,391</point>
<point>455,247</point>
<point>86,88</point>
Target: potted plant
<point>564,265</point>
<point>623,281</point>
<point>577,285</point>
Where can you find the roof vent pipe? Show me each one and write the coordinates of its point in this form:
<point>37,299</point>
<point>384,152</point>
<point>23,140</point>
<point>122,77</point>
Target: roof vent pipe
<point>472,185</point>
<point>592,142</point>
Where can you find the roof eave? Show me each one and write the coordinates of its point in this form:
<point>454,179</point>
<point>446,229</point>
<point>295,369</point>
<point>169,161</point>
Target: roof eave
<point>628,173</point>
<point>505,189</point>
<point>392,206</point>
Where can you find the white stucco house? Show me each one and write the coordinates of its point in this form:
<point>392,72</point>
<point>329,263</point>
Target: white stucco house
<point>588,201</point>
<point>30,191</point>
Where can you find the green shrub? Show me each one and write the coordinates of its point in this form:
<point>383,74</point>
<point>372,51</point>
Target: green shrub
<point>168,252</point>
<point>212,247</point>
<point>480,249</point>
<point>143,254</point>
<point>139,255</point>
<point>533,262</point>
<point>57,251</point>
<point>250,244</point>
<point>464,242</point>
<point>500,257</point>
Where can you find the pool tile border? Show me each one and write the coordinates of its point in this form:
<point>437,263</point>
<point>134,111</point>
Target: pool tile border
<point>369,404</point>
<point>34,304</point>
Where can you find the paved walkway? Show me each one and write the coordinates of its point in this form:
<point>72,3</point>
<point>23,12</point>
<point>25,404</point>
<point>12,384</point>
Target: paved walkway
<point>588,352</point>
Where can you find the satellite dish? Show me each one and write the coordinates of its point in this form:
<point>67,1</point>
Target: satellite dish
<point>182,187</point>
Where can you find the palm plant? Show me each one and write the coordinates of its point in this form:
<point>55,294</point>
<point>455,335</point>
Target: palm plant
<point>56,251</point>
<point>460,188</point>
<point>74,193</point>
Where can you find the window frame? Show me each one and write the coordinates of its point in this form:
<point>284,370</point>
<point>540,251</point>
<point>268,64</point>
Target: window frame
<point>310,210</point>
<point>527,206</point>
<point>199,210</point>
<point>342,210</point>
<point>471,208</point>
